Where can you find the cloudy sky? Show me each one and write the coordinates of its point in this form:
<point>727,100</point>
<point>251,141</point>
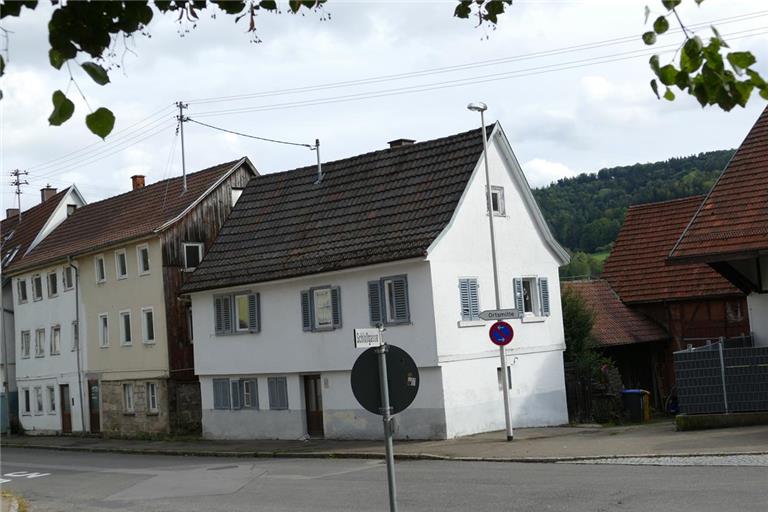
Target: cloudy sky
<point>567,79</point>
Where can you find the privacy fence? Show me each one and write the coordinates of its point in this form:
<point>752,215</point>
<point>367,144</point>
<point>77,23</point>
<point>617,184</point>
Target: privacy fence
<point>723,377</point>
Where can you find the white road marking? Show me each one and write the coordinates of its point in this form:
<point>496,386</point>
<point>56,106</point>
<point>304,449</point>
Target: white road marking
<point>24,474</point>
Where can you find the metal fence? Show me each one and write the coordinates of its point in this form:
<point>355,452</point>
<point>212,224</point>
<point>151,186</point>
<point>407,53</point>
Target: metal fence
<point>723,377</point>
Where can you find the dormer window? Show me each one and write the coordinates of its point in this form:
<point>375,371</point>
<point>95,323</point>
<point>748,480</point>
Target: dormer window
<point>193,254</point>
<point>71,209</point>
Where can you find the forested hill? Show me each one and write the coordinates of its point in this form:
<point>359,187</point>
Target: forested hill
<point>586,212</point>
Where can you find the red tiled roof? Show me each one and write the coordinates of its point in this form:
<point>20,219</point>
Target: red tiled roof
<point>22,234</point>
<point>637,267</point>
<point>615,323</point>
<point>121,218</point>
<point>734,217</point>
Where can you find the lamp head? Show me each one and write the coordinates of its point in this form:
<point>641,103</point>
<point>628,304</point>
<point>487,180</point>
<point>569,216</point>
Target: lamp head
<point>478,107</point>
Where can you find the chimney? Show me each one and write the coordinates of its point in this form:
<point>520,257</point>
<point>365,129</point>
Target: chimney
<point>11,212</point>
<point>47,193</point>
<point>138,181</point>
<point>398,143</point>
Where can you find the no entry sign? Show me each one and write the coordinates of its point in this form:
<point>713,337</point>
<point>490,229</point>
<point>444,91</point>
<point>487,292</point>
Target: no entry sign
<point>501,333</point>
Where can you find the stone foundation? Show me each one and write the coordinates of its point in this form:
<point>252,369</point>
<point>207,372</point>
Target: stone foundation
<point>116,421</point>
<point>185,407</point>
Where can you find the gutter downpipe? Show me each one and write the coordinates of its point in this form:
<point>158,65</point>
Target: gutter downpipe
<point>79,341</point>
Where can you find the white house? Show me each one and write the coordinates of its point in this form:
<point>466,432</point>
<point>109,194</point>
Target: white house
<point>399,236</point>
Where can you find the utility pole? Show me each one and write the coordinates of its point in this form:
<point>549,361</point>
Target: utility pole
<point>17,182</point>
<point>181,118</point>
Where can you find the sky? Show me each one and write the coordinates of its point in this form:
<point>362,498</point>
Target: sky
<point>568,80</point>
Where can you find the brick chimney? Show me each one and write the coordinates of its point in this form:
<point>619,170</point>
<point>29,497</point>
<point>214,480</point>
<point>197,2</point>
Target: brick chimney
<point>47,193</point>
<point>138,181</point>
<point>398,143</point>
<point>11,212</point>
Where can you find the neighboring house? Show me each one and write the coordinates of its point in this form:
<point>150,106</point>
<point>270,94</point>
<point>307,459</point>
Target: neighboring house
<point>400,237</point>
<point>729,230</point>
<point>692,302</point>
<point>20,305</point>
<point>128,256</point>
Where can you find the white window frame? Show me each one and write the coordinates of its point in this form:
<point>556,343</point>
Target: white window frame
<point>128,398</point>
<point>26,402</point>
<point>140,270</point>
<point>236,312</point>
<point>534,293</point>
<point>22,284</point>
<point>67,284</point>
<point>200,250</point>
<point>25,354</point>
<point>39,345</point>
<point>103,330</point>
<point>121,275</point>
<point>498,191</point>
<point>126,337</point>
<point>55,343</point>
<point>151,394</point>
<point>250,397</point>
<point>99,258</point>
<point>51,392</point>
<point>36,297</point>
<point>39,401</point>
<point>144,331</point>
<point>55,275</point>
<point>325,290</point>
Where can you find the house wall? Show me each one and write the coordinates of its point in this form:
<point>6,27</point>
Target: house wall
<point>8,347</point>
<point>758,317</point>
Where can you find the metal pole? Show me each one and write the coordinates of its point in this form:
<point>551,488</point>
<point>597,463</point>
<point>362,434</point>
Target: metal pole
<point>181,119</point>
<point>387,419</point>
<point>502,353</point>
<point>319,165</point>
<point>77,323</point>
<point>722,373</point>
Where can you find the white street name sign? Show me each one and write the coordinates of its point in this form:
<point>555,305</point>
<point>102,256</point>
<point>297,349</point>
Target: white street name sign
<point>365,338</point>
<point>498,314</point>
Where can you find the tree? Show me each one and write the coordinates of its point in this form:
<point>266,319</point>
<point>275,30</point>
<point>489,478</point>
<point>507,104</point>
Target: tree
<point>578,320</point>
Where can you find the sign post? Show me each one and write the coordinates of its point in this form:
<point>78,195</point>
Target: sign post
<point>386,412</point>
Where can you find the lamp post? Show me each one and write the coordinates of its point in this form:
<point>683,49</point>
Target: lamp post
<point>482,107</point>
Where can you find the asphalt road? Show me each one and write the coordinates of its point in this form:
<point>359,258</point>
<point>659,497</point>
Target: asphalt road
<point>85,482</point>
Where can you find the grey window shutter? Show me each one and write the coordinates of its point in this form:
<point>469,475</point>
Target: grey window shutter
<point>466,313</point>
<point>254,312</point>
<point>336,304</point>
<point>544,291</point>
<point>235,394</point>
<point>306,311</point>
<point>218,310</point>
<point>374,302</point>
<point>220,394</point>
<point>401,312</point>
<point>223,312</point>
<point>518,285</point>
<point>474,300</point>
<point>278,393</point>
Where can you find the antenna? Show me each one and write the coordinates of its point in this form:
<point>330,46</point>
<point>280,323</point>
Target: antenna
<point>181,118</point>
<point>316,148</point>
<point>17,182</point>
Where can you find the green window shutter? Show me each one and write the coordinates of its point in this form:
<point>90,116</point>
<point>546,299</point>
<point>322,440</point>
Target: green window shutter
<point>518,286</point>
<point>401,312</point>
<point>306,311</point>
<point>254,312</point>
<point>544,292</point>
<point>336,304</point>
<point>374,302</point>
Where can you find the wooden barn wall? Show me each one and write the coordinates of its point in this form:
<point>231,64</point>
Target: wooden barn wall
<point>201,224</point>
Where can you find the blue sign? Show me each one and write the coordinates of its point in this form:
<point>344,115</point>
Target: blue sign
<point>501,333</point>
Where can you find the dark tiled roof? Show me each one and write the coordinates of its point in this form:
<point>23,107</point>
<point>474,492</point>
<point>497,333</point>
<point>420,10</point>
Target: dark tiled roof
<point>22,234</point>
<point>124,217</point>
<point>615,323</point>
<point>383,206</point>
<point>637,267</point>
<point>734,217</point>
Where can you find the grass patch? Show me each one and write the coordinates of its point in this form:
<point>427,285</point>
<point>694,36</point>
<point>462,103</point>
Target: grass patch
<point>22,503</point>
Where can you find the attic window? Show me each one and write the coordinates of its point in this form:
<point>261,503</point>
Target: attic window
<point>71,209</point>
<point>193,254</point>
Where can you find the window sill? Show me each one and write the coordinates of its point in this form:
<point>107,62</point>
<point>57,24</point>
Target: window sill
<point>122,278</point>
<point>55,353</point>
<point>533,319</point>
<point>129,414</point>
<point>144,273</point>
<point>40,357</point>
<point>149,342</point>
<point>471,323</point>
<point>103,346</point>
<point>126,344</point>
<point>153,413</point>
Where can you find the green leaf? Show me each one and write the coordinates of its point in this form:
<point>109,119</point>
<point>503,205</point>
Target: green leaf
<point>654,62</point>
<point>97,73</point>
<point>63,108</point>
<point>668,74</point>
<point>742,92</point>
<point>670,4</point>
<point>269,5</point>
<point>682,80</point>
<point>100,122</point>
<point>56,58</point>
<point>655,88</point>
<point>649,38</point>
<point>463,10</point>
<point>691,57</point>
<point>661,25</point>
<point>719,37</point>
<point>669,95</point>
<point>741,60</point>
<point>764,93</point>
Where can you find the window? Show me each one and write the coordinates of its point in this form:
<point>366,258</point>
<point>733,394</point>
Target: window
<point>152,397</point>
<point>121,264</point>
<point>25,342</point>
<point>250,394</point>
<point>75,335</point>
<point>497,201</point>
<point>236,394</point>
<point>532,296</point>
<point>127,398</point>
<point>71,209</point>
<point>38,400</point>
<point>278,393</point>
<point>68,278</point>
<point>55,340</point>
<point>193,254</point>
<point>388,301</point>
<point>125,328</point>
<point>101,271</point>
<point>221,393</point>
<point>469,299</point>
<point>321,308</point>
<point>22,290</point>
<point>53,284</point>
<point>236,193</point>
<point>37,287</point>
<point>237,313</point>
<point>26,405</point>
<point>103,330</point>
<point>40,343</point>
<point>142,257</point>
<point>190,331</point>
<point>148,324</point>
<point>51,400</point>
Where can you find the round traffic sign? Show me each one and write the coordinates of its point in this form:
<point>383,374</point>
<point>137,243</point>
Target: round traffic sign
<point>402,377</point>
<point>501,333</point>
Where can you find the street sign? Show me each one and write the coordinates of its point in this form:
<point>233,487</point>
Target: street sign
<point>365,338</point>
<point>402,379</point>
<point>501,333</point>
<point>499,314</point>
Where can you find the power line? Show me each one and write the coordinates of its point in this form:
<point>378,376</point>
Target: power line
<point>265,139</point>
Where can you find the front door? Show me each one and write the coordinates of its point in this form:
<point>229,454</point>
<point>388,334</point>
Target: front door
<point>93,405</point>
<point>313,399</point>
<point>66,409</point>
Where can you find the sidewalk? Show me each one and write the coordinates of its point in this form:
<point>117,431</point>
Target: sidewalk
<point>530,445</point>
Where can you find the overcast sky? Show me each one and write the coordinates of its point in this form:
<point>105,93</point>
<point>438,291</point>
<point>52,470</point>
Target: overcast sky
<point>560,122</point>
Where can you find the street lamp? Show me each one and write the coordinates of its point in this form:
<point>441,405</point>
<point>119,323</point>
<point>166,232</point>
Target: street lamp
<point>482,107</point>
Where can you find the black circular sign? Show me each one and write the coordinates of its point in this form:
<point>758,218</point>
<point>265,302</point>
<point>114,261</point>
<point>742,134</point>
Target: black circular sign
<point>402,376</point>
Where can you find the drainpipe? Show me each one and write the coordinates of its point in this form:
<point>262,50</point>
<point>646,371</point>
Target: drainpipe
<point>6,365</point>
<point>79,341</point>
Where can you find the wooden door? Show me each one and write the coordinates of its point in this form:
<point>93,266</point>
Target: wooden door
<point>66,409</point>
<point>94,406</point>
<point>313,400</point>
